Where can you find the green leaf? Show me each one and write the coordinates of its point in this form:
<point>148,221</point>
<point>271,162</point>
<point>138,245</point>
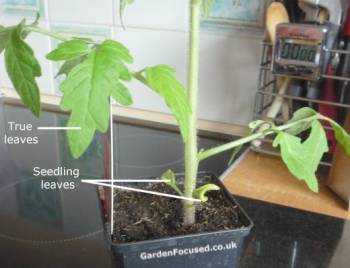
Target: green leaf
<point>87,89</point>
<point>124,4</point>
<point>4,37</point>
<point>206,7</point>
<point>169,178</point>
<point>302,159</point>
<point>121,95</point>
<point>161,78</point>
<point>201,192</point>
<point>301,114</point>
<point>342,137</point>
<point>68,65</point>
<point>22,68</point>
<point>253,126</point>
<point>69,50</point>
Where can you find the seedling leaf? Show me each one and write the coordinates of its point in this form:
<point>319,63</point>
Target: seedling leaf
<point>302,159</point>
<point>169,178</point>
<point>161,78</point>
<point>201,192</point>
<point>87,89</point>
<point>22,68</point>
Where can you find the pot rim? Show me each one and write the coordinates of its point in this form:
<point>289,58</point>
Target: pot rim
<point>243,230</point>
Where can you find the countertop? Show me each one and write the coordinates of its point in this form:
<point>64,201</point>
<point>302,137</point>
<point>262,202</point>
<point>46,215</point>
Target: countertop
<point>65,228</point>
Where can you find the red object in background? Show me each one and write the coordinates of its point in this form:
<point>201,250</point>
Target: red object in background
<point>346,31</point>
<point>106,191</point>
<point>330,111</point>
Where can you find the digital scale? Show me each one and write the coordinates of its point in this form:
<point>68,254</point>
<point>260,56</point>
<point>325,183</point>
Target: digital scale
<point>304,50</point>
<point>299,50</point>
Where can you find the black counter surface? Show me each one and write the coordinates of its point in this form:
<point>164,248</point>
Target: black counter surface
<point>65,228</point>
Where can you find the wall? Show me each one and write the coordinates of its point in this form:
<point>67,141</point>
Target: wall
<point>156,32</point>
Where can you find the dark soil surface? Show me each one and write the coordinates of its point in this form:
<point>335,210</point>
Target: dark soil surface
<point>139,217</point>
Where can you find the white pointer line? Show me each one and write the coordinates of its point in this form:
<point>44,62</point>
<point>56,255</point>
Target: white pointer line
<point>128,180</point>
<point>141,191</point>
<point>59,128</point>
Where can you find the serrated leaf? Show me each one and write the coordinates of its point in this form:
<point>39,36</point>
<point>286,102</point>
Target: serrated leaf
<point>4,37</point>
<point>206,7</point>
<point>87,89</point>
<point>69,50</point>
<point>68,65</point>
<point>301,114</point>
<point>169,178</point>
<point>302,159</point>
<point>201,192</point>
<point>121,95</point>
<point>342,137</point>
<point>161,78</point>
<point>22,68</point>
<point>85,39</point>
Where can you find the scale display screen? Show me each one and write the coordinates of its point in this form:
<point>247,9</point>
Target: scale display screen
<point>299,52</point>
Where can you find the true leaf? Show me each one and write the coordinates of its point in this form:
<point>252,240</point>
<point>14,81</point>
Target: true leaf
<point>68,65</point>
<point>301,114</point>
<point>87,89</point>
<point>22,68</point>
<point>342,137</point>
<point>4,37</point>
<point>302,159</point>
<point>161,78</point>
<point>69,50</point>
<point>121,94</point>
<point>201,192</point>
<point>206,6</point>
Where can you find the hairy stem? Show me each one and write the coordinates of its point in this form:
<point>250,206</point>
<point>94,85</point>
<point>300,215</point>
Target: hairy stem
<point>228,146</point>
<point>191,151</point>
<point>46,32</point>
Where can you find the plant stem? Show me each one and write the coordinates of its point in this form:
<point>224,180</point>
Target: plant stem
<point>191,151</point>
<point>46,32</point>
<point>228,146</point>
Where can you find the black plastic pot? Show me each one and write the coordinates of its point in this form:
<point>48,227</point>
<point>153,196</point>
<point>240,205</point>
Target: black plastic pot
<point>215,249</point>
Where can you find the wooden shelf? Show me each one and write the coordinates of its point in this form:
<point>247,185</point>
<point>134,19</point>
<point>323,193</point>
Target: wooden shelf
<point>140,117</point>
<point>266,178</point>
